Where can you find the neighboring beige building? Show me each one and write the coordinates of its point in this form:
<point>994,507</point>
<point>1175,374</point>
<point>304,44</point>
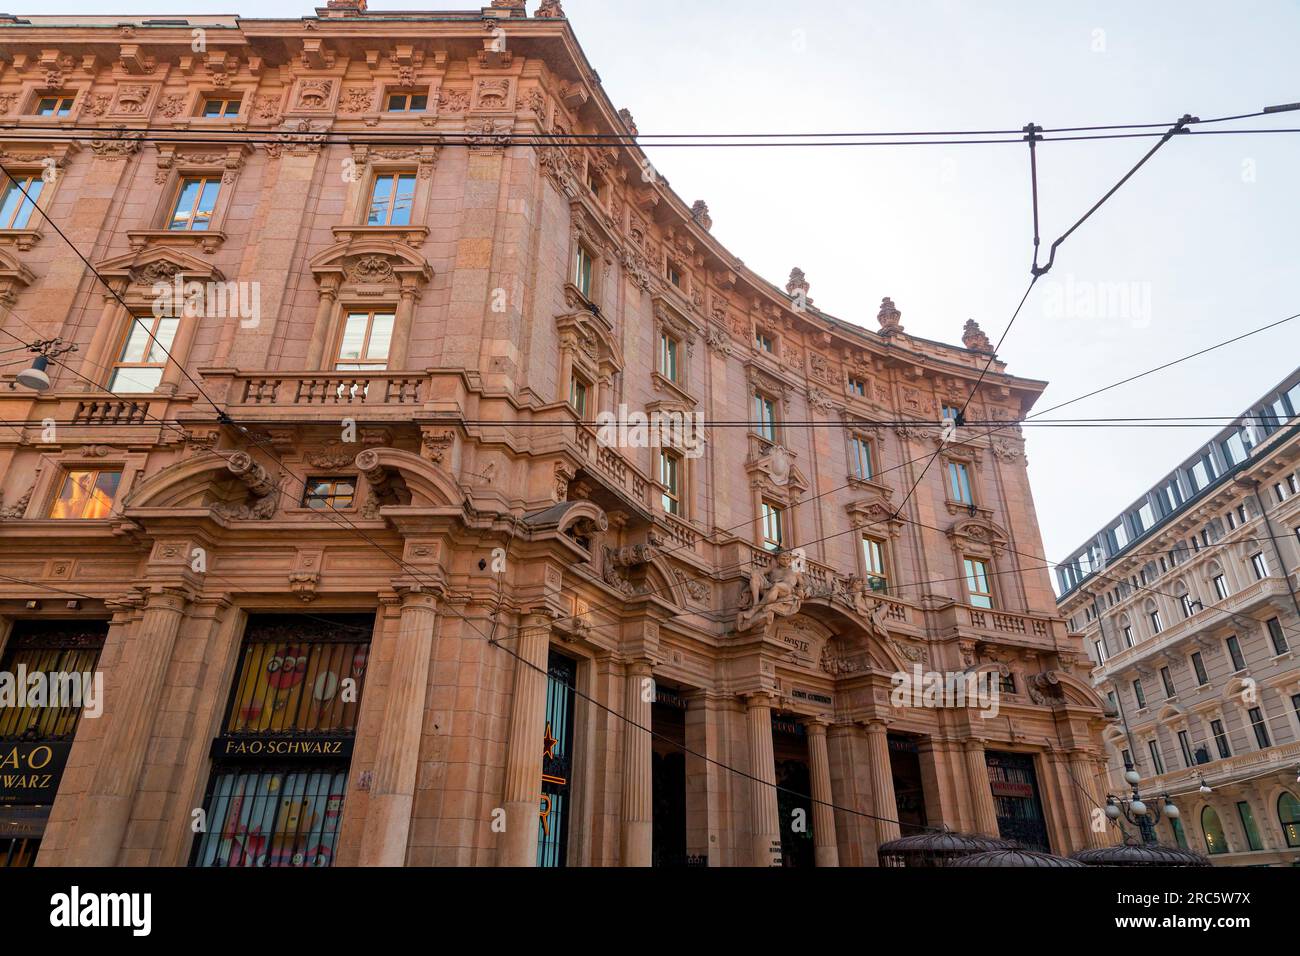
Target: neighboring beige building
<point>1187,602</point>
<point>365,582</point>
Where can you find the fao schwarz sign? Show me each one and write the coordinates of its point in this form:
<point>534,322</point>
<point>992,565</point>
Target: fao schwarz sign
<point>30,772</point>
<point>301,748</point>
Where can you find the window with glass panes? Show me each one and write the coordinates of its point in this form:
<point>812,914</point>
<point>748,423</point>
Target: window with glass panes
<point>55,104</point>
<point>1157,762</point>
<point>406,102</point>
<point>1167,679</point>
<point>220,106</point>
<point>668,348</point>
<point>1220,586</point>
<point>1185,747</point>
<point>143,357</point>
<point>363,346</point>
<point>959,482</point>
<point>765,416</point>
<point>196,200</point>
<point>1139,695</point>
<point>86,493</point>
<point>670,477</point>
<point>1288,815</point>
<point>979,591</point>
<point>1276,635</point>
<point>1259,565</point>
<point>1247,817</point>
<point>1234,653</point>
<point>578,395</point>
<point>1260,725</point>
<point>329,494</point>
<point>773,526</point>
<point>1198,665</point>
<point>584,269</point>
<point>764,342</point>
<point>392,198</point>
<point>1220,739</point>
<point>18,200</point>
<point>873,554</point>
<point>860,449</point>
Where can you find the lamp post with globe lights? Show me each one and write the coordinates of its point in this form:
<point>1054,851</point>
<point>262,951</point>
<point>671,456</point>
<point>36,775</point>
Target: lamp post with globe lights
<point>1135,810</point>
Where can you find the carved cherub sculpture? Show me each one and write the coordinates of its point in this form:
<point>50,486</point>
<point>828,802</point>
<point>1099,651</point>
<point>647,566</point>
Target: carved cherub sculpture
<point>778,592</point>
<point>873,609</point>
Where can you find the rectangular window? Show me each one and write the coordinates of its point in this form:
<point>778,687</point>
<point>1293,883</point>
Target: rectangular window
<point>1276,635</point>
<point>873,553</point>
<point>364,344</point>
<point>668,356</point>
<point>1128,635</point>
<point>1198,665</point>
<point>764,416</point>
<point>392,198</point>
<point>584,269</point>
<point>1220,586</point>
<point>1139,694</point>
<point>297,690</point>
<point>1188,608</point>
<point>959,482</point>
<point>406,102</point>
<point>1168,680</point>
<point>1220,739</point>
<point>86,494</point>
<point>1156,625</point>
<point>673,273</point>
<point>1185,745</point>
<point>858,387</point>
<point>773,526</point>
<point>1247,817</point>
<point>1259,566</point>
<point>1234,653</point>
<point>861,451</point>
<point>194,204</point>
<point>1007,683</point>
<point>225,106</point>
<point>329,494</point>
<point>19,199</point>
<point>977,583</point>
<point>56,104</point>
<point>1157,764</point>
<point>1260,726</point>
<point>764,342</point>
<point>1100,649</point>
<point>140,364</point>
<point>578,396</point>
<point>49,648</point>
<point>1180,837</point>
<point>670,477</point>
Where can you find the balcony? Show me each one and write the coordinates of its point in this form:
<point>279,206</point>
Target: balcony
<point>271,395</point>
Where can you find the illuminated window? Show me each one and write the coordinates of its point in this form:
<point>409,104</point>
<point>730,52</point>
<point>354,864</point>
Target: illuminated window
<point>873,554</point>
<point>1215,841</point>
<point>860,448</point>
<point>764,416</point>
<point>57,104</point>
<point>87,493</point>
<point>391,200</point>
<point>363,346</point>
<point>670,477</point>
<point>19,199</point>
<point>959,482</point>
<point>195,203</point>
<point>578,395</point>
<point>1288,814</point>
<point>220,106</point>
<point>773,526</point>
<point>977,583</point>
<point>1247,817</point>
<point>668,348</point>
<point>140,364</point>
<point>406,102</point>
<point>329,494</point>
<point>584,270</point>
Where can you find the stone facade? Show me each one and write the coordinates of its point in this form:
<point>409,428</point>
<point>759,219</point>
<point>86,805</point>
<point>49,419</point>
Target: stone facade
<point>1188,599</point>
<point>472,542</point>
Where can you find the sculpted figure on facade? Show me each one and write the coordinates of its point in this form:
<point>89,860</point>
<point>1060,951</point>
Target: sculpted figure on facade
<point>778,592</point>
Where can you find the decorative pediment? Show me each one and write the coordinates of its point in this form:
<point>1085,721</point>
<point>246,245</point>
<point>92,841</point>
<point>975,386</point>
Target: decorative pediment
<point>227,157</point>
<point>591,340</point>
<point>14,277</point>
<point>772,469</point>
<point>778,386</point>
<point>978,535</point>
<point>156,264</point>
<point>371,264</point>
<point>874,513</point>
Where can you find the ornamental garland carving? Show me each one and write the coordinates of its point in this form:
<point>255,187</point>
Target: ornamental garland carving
<point>371,270</point>
<point>492,94</point>
<point>171,104</point>
<point>300,139</point>
<point>453,101</point>
<point>121,145</point>
<point>487,134</point>
<point>357,99</point>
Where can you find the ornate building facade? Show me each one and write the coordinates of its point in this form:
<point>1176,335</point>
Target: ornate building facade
<point>1187,601</point>
<point>347,495</point>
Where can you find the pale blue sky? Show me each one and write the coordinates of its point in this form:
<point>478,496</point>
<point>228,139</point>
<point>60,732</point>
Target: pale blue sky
<point>1204,236</point>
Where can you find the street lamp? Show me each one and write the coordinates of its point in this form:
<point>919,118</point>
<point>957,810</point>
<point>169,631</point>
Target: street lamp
<point>35,377</point>
<point>1136,812</point>
<point>1204,787</point>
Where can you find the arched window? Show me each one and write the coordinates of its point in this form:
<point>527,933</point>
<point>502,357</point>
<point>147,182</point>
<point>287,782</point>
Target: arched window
<point>1288,814</point>
<point>1215,841</point>
<point>1153,617</point>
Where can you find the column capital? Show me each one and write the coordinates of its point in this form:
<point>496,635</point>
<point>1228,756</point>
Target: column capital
<point>759,698</point>
<point>417,594</point>
<point>816,725</point>
<point>876,725</point>
<point>640,667</point>
<point>972,744</point>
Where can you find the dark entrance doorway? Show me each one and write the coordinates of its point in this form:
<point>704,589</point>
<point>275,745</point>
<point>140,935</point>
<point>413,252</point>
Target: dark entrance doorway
<point>905,767</point>
<point>1016,799</point>
<point>557,761</point>
<point>668,720</point>
<point>794,785</point>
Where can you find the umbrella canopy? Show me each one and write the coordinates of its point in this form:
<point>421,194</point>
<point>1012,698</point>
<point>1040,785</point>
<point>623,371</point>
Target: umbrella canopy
<point>1014,857</point>
<point>936,848</point>
<point>1139,854</point>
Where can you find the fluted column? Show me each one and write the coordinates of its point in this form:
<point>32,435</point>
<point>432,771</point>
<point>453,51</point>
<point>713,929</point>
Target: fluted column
<point>765,824</point>
<point>981,790</point>
<point>106,811</point>
<point>523,786</point>
<point>99,353</point>
<point>825,850</point>
<point>882,782</point>
<point>1084,787</point>
<point>638,783</point>
<point>320,332</point>
<point>397,348</point>
<point>392,792</point>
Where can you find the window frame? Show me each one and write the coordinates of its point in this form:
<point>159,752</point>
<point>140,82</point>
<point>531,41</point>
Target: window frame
<point>760,403</point>
<point>955,489</point>
<point>25,200</point>
<point>972,563</point>
<point>66,477</point>
<point>861,446</point>
<point>332,480</point>
<point>869,572</point>
<point>365,364</point>
<point>226,99</point>
<point>395,176</point>
<point>672,464</point>
<point>39,96</point>
<point>408,108</point>
<point>772,514</point>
